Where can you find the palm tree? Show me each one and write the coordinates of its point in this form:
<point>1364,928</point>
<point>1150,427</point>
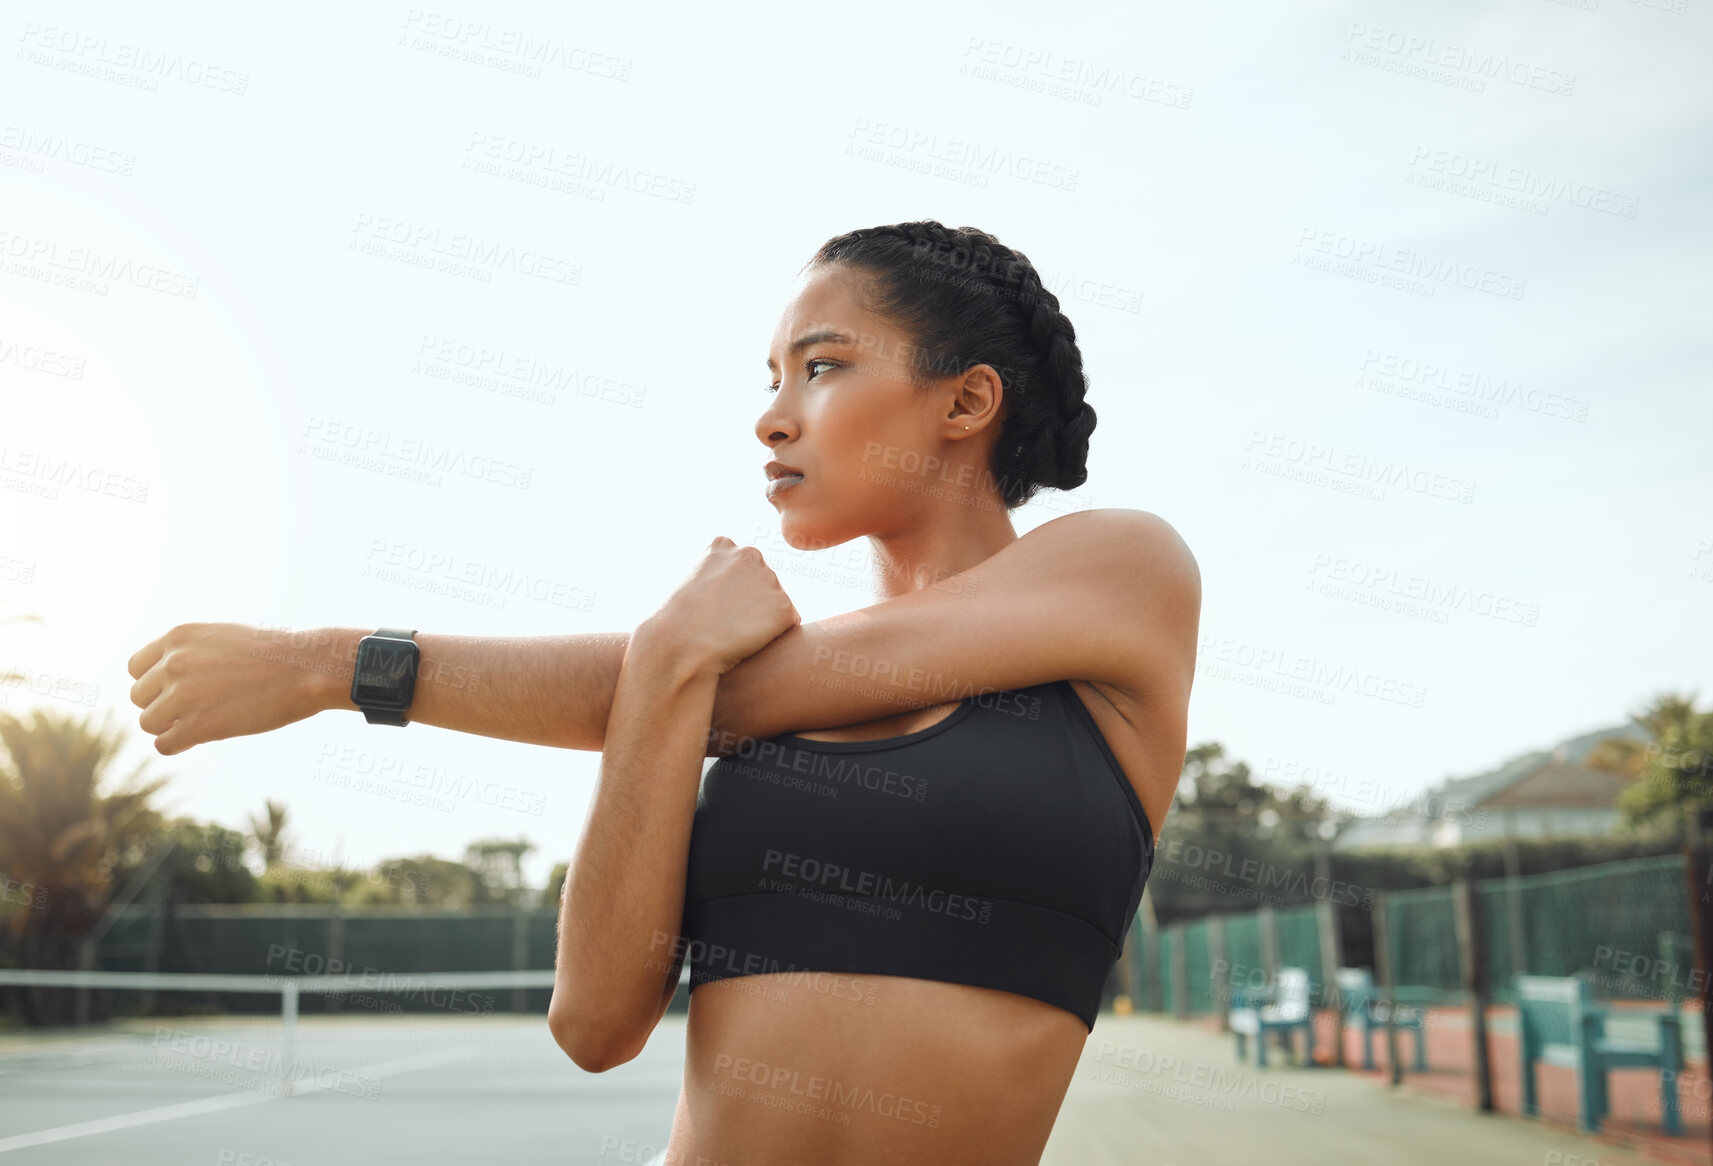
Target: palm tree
<point>1627,757</point>
<point>269,832</point>
<point>62,827</point>
<point>1672,771</point>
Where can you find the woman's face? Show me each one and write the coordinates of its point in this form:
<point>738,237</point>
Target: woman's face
<point>848,416</point>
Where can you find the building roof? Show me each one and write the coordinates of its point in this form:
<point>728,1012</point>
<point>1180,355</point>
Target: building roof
<point>1547,777</point>
<point>1559,784</point>
<point>1555,778</point>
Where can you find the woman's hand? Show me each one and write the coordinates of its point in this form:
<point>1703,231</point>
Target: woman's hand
<point>730,608</point>
<point>208,681</point>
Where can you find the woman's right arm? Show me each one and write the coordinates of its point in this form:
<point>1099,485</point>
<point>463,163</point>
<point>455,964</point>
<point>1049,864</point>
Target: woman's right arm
<point>209,681</point>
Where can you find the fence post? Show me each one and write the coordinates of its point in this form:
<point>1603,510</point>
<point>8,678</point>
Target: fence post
<point>86,961</point>
<point>1180,974</point>
<point>1514,900</point>
<point>1472,958</point>
<point>1133,984</point>
<point>1119,978</point>
<point>1331,959</point>
<point>1216,957</point>
<point>335,950</point>
<point>1151,994</point>
<point>1153,986</point>
<point>1383,972</point>
<point>1267,923</point>
<point>1698,873</point>
<point>520,955</point>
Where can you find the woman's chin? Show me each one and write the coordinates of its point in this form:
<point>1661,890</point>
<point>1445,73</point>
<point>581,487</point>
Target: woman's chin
<point>801,535</point>
<point>796,535</point>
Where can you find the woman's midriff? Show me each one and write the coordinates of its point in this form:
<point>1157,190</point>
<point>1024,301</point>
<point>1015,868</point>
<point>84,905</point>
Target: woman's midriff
<point>837,1069</point>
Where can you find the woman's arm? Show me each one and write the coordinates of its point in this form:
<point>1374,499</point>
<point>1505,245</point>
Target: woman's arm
<point>625,886</point>
<point>1103,595</point>
<point>209,681</point>
<point>623,902</point>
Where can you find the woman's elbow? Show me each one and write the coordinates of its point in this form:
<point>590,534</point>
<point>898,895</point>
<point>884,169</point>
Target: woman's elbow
<point>592,1045</point>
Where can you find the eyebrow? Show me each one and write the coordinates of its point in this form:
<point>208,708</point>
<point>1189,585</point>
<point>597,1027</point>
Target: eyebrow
<point>825,335</point>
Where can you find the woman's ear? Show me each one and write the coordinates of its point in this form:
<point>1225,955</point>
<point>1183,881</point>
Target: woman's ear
<point>978,400</point>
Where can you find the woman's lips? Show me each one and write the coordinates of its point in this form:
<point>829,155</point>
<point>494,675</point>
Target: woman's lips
<point>782,483</point>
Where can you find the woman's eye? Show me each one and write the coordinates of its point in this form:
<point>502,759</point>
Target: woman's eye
<point>808,365</point>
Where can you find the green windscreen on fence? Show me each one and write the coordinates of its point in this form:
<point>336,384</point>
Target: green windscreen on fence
<point>249,943</point>
<point>296,940</point>
<point>1625,923</point>
<point>1421,939</point>
<point>1299,940</point>
<point>1597,919</point>
<point>1137,946</point>
<point>1198,967</point>
<point>1242,946</point>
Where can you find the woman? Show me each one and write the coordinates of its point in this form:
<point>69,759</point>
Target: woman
<point>897,929</point>
<point>925,382</point>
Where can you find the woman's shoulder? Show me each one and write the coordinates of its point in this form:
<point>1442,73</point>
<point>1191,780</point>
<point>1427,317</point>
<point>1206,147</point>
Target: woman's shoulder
<point>1137,588</point>
<point>1123,538</point>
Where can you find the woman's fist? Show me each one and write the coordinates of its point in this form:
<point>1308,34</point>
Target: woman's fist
<point>209,681</point>
<point>730,608</point>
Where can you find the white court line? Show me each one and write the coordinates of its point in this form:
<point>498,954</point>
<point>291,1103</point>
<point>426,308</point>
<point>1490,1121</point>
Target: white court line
<point>143,1117</point>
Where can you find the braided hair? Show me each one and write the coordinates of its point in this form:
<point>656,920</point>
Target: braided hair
<point>965,299</point>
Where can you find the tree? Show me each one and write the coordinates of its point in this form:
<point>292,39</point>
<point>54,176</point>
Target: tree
<point>1675,771</point>
<point>428,881</point>
<point>1235,841</point>
<point>1664,715</point>
<point>268,830</point>
<point>555,888</point>
<point>500,861</point>
<point>206,864</point>
<point>64,825</point>
<point>1223,797</point>
<point>285,883</point>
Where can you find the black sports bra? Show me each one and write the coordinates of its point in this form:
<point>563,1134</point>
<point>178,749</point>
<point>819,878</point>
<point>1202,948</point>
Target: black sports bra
<point>1001,847</point>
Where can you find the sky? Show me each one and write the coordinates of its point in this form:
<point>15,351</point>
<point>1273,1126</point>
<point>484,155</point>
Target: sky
<point>1393,313</point>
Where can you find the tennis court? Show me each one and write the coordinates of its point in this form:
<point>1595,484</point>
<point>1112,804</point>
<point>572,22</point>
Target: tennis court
<point>370,1089</point>
<point>461,1086</point>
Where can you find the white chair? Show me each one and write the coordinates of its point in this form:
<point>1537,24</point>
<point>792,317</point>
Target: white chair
<point>1257,1011</point>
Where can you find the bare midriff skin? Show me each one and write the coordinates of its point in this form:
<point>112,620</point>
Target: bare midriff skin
<point>924,1071</point>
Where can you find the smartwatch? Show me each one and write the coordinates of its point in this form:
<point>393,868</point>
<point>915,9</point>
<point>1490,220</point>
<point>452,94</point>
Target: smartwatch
<point>385,677</point>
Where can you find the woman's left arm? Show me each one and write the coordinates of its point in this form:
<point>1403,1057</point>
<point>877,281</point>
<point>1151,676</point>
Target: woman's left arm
<point>617,963</point>
<point>624,887</point>
<point>1104,595</point>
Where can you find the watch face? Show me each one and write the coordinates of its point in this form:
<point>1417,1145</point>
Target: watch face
<point>385,673</point>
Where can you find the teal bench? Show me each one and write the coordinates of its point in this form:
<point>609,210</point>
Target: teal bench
<point>1559,1024</point>
<point>1362,1006</point>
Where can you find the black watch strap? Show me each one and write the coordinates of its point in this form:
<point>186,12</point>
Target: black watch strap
<point>390,716</point>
